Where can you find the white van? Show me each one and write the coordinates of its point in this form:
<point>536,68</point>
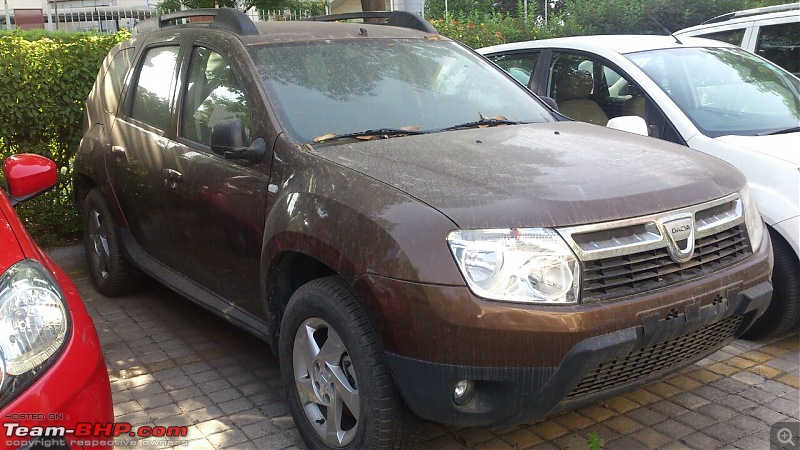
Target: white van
<point>772,32</point>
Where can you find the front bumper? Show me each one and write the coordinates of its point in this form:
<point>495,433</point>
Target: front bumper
<point>74,389</point>
<point>595,369</point>
<point>528,361</point>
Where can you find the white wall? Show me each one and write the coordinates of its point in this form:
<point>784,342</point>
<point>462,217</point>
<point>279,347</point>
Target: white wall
<point>413,6</point>
<point>78,3</point>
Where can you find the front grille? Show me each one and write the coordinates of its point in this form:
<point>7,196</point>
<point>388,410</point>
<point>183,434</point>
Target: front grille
<point>637,272</point>
<point>656,359</point>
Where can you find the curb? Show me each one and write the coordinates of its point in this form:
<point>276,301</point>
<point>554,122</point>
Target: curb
<point>67,257</point>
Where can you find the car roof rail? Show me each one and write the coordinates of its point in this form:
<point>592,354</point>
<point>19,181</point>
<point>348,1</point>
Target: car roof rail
<point>229,19</point>
<point>393,18</point>
<point>753,12</point>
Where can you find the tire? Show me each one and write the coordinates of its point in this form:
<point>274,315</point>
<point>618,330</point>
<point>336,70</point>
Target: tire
<point>113,275</point>
<point>328,347</point>
<point>783,312</point>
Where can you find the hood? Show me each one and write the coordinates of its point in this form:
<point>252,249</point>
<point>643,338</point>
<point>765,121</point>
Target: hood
<point>540,175</point>
<point>782,146</point>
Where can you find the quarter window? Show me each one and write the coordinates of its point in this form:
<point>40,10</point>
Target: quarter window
<point>153,87</point>
<point>213,94</point>
<point>115,78</point>
<point>733,37</point>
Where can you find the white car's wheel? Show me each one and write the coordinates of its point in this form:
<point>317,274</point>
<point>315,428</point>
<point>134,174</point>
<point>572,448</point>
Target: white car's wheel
<point>783,312</point>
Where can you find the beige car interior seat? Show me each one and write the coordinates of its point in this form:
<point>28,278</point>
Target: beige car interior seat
<point>573,86</point>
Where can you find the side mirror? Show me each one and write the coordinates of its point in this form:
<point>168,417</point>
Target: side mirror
<point>228,140</point>
<point>631,124</point>
<point>28,175</point>
<point>227,135</point>
<point>550,102</point>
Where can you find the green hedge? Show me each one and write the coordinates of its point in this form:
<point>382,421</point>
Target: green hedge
<point>478,31</point>
<point>44,80</point>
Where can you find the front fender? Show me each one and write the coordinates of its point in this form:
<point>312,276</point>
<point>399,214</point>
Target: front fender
<point>386,234</point>
<point>354,224</point>
<point>773,182</point>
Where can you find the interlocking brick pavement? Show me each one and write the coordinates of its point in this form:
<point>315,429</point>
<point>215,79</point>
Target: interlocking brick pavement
<point>173,363</point>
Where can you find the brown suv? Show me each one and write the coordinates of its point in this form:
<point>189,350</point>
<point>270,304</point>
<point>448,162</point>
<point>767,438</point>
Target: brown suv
<point>409,229</point>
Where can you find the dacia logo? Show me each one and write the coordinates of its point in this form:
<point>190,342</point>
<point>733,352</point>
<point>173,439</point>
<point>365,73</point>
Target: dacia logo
<point>679,231</point>
<point>682,228</point>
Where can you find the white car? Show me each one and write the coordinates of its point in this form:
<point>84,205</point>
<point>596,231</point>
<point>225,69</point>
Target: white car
<point>705,94</point>
<point>772,32</point>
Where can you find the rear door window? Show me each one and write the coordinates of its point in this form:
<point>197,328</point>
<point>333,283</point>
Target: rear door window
<point>518,65</point>
<point>780,43</point>
<point>153,91</point>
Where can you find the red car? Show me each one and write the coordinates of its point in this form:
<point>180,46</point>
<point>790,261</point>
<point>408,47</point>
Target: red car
<point>52,372</point>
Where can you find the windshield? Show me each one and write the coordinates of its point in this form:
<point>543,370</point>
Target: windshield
<point>336,87</point>
<point>725,91</point>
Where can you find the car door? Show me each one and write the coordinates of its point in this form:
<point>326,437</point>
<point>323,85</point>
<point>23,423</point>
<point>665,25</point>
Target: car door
<point>137,144</point>
<point>591,89</point>
<point>216,206</point>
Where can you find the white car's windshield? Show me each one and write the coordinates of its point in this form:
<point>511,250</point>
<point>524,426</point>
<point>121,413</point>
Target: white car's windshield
<point>725,91</point>
<point>338,87</point>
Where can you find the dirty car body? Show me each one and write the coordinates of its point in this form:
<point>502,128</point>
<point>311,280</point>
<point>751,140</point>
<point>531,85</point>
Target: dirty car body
<point>371,201</point>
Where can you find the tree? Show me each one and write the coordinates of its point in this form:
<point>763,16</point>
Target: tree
<point>435,9</point>
<point>583,17</point>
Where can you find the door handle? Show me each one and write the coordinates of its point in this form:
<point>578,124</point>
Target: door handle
<point>118,150</point>
<point>172,177</point>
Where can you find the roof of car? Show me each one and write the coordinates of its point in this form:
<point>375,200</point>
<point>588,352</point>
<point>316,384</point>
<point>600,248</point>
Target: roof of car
<point>785,13</point>
<point>377,24</point>
<point>294,31</point>
<point>617,43</point>
<point>787,8</point>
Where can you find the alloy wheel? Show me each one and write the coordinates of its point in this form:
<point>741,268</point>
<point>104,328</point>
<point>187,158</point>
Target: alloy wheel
<point>326,382</point>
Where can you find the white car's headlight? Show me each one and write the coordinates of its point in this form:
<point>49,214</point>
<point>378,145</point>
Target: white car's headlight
<point>33,325</point>
<point>531,265</point>
<point>752,219</point>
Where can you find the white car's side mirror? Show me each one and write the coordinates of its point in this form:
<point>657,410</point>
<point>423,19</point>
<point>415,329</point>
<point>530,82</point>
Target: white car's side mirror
<point>631,124</point>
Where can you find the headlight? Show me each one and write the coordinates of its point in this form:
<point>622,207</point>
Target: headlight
<point>752,219</point>
<point>33,325</point>
<point>532,265</point>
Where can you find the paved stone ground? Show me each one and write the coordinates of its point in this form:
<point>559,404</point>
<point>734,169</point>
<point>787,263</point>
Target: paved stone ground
<point>172,363</point>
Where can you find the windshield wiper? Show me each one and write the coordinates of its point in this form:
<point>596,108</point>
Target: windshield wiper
<point>784,131</point>
<point>369,134</point>
<point>484,122</point>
